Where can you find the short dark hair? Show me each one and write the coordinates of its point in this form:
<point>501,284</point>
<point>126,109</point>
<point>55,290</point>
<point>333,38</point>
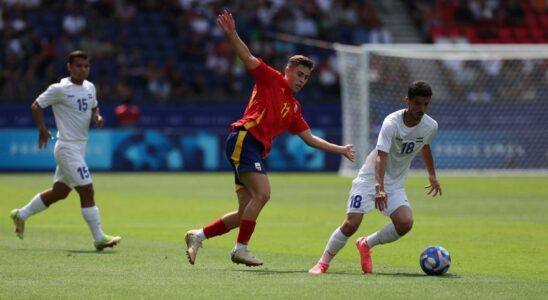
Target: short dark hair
<point>77,54</point>
<point>296,60</point>
<point>419,88</point>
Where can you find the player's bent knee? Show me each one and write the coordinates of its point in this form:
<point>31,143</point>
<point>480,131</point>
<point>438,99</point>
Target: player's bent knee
<point>62,196</point>
<point>58,192</point>
<point>404,226</point>
<point>240,212</point>
<point>86,191</point>
<point>54,196</point>
<point>263,197</point>
<point>349,228</point>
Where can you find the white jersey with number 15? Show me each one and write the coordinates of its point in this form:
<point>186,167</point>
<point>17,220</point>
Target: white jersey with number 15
<point>72,105</point>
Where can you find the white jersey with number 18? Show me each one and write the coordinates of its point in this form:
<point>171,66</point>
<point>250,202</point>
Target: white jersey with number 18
<point>402,144</point>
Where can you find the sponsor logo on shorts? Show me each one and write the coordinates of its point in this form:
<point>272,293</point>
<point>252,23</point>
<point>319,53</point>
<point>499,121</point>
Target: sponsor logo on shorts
<point>258,166</point>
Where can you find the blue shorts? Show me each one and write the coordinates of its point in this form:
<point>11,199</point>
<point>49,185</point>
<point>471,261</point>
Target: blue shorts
<point>244,152</point>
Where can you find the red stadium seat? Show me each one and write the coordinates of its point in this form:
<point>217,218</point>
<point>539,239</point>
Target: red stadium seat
<point>492,40</point>
<point>507,39</point>
<point>470,32</point>
<point>537,34</point>
<point>532,21</point>
<point>453,31</point>
<point>543,20</point>
<point>505,33</point>
<point>521,33</point>
<point>436,32</point>
<point>474,40</point>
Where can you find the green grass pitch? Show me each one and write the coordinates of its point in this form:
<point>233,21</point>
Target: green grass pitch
<point>496,229</point>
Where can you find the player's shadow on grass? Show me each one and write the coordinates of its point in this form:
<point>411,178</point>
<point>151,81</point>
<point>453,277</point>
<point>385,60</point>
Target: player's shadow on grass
<point>445,276</point>
<point>70,252</point>
<point>305,272</point>
<point>271,272</point>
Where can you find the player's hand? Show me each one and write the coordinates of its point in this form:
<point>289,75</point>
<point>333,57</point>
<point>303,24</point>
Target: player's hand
<point>434,186</point>
<point>226,22</point>
<point>381,199</point>
<point>43,137</point>
<point>99,121</point>
<point>349,152</point>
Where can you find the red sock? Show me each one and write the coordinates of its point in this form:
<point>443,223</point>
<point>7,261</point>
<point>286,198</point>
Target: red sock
<point>246,230</point>
<point>216,228</point>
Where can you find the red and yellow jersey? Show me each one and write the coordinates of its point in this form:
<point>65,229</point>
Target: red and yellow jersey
<point>272,108</point>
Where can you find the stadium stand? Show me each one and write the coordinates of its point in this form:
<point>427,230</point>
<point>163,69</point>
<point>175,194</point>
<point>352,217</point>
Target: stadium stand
<point>173,52</point>
<point>482,21</point>
<point>169,51</point>
<point>487,22</point>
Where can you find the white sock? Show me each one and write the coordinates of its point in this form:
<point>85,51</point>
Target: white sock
<point>240,246</point>
<point>336,242</point>
<point>35,206</point>
<point>91,215</point>
<point>200,234</point>
<point>386,235</point>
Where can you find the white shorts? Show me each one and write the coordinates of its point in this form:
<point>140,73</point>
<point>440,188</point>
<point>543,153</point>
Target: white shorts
<point>72,169</point>
<point>361,199</point>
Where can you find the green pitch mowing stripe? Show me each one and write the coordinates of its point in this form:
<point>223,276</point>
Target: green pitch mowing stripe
<point>496,230</point>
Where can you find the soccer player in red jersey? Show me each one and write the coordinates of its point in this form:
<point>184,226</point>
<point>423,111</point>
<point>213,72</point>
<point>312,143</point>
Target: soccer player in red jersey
<point>271,111</point>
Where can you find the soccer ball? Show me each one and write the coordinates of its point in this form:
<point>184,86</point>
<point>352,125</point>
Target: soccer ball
<point>435,260</point>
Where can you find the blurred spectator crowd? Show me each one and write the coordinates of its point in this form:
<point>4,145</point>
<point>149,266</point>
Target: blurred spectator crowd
<point>171,51</point>
<point>488,22</point>
<point>482,21</point>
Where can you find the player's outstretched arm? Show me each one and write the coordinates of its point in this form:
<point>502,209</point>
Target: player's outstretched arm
<point>228,25</point>
<point>43,133</point>
<point>319,143</point>
<point>428,159</point>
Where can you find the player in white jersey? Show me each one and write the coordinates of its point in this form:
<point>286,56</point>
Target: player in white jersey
<point>74,105</point>
<point>381,181</point>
